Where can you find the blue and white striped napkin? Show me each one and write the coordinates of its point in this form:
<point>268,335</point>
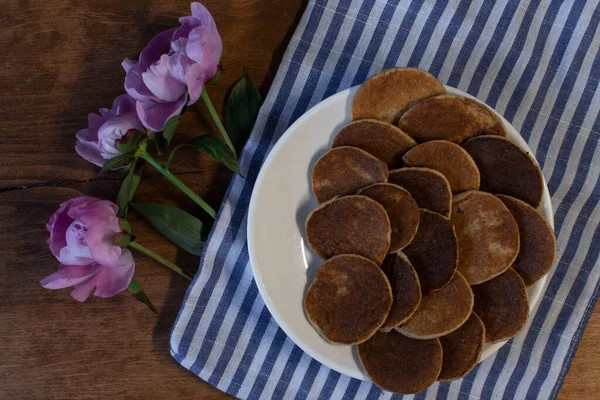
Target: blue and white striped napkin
<point>537,63</point>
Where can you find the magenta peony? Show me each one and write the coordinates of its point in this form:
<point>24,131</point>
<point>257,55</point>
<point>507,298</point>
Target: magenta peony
<point>82,233</point>
<point>173,68</point>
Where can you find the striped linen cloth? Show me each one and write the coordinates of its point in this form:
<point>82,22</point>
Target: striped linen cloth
<point>537,63</point>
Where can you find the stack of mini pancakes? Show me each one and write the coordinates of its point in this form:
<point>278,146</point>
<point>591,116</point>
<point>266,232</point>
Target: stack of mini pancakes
<point>429,226</point>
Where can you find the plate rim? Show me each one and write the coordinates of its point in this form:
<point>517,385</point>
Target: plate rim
<point>488,351</point>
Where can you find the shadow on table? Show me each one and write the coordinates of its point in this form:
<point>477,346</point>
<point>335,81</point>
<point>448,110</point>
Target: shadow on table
<point>279,51</point>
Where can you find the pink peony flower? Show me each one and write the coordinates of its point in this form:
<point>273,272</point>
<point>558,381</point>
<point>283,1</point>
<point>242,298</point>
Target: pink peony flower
<point>174,65</point>
<point>82,232</point>
<point>99,141</point>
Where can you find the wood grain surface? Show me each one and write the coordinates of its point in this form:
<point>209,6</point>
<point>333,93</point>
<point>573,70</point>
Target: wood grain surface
<point>61,60</point>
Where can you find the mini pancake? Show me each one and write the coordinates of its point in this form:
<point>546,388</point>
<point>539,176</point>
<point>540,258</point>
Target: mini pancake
<point>502,305</point>
<point>349,299</point>
<point>389,93</point>
<point>442,311</point>
<point>406,290</point>
<point>434,251</point>
<point>385,141</point>
<point>402,210</point>
<point>349,225</point>
<point>400,364</point>
<point>506,169</point>
<point>344,170</point>
<point>462,349</point>
<point>537,241</point>
<point>429,188</point>
<point>487,233</point>
<point>448,158</point>
<point>450,117</point>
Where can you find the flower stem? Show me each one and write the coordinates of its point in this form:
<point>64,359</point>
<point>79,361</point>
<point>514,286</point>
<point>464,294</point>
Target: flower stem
<point>215,117</point>
<point>182,186</point>
<point>160,259</point>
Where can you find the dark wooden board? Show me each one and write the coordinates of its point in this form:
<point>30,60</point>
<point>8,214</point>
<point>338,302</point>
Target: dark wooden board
<point>61,60</point>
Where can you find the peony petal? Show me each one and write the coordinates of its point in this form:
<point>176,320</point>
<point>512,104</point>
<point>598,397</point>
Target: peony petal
<point>113,130</point>
<point>178,46</point>
<point>87,136</point>
<point>127,64</point>
<point>101,228</point>
<point>75,255</point>
<point>57,225</point>
<point>83,290</point>
<point>108,281</point>
<point>106,113</point>
<point>187,24</point>
<point>61,224</point>
<point>84,204</point>
<point>166,78</point>
<point>135,86</point>
<point>76,236</point>
<point>200,12</point>
<point>95,121</point>
<point>198,74</point>
<point>112,280</point>
<point>105,253</point>
<point>157,47</point>
<point>123,104</point>
<point>154,115</point>
<point>90,152</point>
<point>69,275</point>
<point>109,206</point>
<point>202,38</point>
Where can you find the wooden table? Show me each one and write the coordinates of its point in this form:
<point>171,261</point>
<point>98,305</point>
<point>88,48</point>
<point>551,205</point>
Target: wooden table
<point>60,61</point>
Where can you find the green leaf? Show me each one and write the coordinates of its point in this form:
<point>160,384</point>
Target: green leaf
<point>161,143</point>
<point>116,162</point>
<point>178,226</point>
<point>170,128</point>
<point>242,110</point>
<point>214,147</point>
<point>136,291</point>
<point>127,190</point>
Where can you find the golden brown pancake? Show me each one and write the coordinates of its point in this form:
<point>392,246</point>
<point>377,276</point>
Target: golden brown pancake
<point>537,241</point>
<point>442,311</point>
<point>488,236</point>
<point>390,92</point>
<point>406,290</point>
<point>506,169</point>
<point>502,305</point>
<point>349,225</point>
<point>349,299</point>
<point>450,117</point>
<point>402,210</point>
<point>462,349</point>
<point>429,188</point>
<point>385,141</point>
<point>400,364</point>
<point>448,158</point>
<point>434,251</point>
<point>344,170</point>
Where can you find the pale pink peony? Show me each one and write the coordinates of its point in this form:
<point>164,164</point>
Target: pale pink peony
<point>173,68</point>
<point>98,142</point>
<point>82,233</point>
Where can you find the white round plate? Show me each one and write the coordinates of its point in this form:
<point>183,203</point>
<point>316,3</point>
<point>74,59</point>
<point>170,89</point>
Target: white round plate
<point>282,262</point>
